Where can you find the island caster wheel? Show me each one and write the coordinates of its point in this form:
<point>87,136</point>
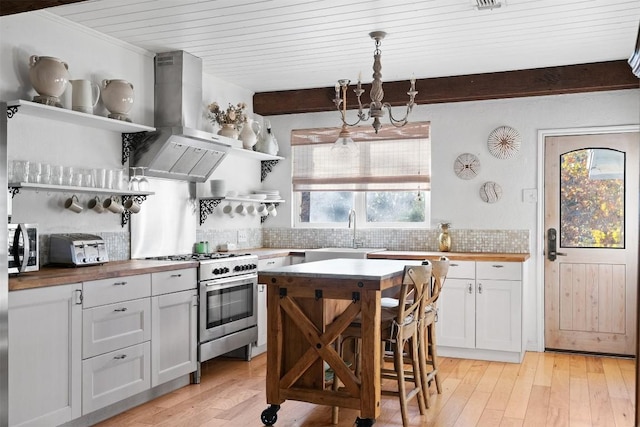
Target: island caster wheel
<point>269,416</point>
<point>364,422</point>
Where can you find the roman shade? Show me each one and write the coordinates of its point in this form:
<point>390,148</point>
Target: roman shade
<point>395,159</point>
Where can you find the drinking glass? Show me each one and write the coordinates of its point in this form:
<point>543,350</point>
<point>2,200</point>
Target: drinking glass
<point>21,170</point>
<point>35,170</point>
<point>133,181</point>
<point>57,174</point>
<point>45,173</point>
<point>67,175</point>
<point>143,182</point>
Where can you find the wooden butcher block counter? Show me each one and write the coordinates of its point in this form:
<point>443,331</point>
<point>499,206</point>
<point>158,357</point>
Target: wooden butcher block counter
<point>454,256</point>
<point>52,276</point>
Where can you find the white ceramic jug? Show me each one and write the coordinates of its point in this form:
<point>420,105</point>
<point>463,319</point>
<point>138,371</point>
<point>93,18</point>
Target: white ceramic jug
<point>248,135</point>
<point>117,96</point>
<point>49,77</point>
<point>84,95</point>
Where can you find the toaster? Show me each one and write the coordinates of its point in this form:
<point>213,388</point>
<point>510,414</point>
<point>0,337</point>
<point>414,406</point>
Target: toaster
<point>77,249</point>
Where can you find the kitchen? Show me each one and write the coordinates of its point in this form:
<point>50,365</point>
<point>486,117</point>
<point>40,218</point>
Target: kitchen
<point>91,55</point>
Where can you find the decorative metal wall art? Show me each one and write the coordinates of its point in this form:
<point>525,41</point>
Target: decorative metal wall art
<point>504,142</point>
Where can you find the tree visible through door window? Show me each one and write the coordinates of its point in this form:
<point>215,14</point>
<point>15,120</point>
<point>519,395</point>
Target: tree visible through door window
<point>592,199</point>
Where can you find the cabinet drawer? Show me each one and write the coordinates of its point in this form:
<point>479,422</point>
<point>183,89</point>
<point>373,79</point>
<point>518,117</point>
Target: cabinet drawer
<point>462,269</point>
<point>166,282</point>
<point>114,376</point>
<point>265,264</point>
<point>499,270</point>
<point>110,327</point>
<point>108,291</point>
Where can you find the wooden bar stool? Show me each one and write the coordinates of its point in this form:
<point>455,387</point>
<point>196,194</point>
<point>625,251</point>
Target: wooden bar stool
<point>428,354</point>
<point>401,329</point>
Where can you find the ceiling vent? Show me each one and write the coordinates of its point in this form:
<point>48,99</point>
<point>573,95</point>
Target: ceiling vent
<point>488,4</point>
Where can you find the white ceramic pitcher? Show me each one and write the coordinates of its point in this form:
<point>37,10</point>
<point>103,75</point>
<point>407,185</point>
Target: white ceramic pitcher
<point>84,95</point>
<point>249,135</point>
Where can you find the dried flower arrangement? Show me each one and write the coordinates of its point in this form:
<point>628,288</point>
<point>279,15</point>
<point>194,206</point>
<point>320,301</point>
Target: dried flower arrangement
<point>234,114</point>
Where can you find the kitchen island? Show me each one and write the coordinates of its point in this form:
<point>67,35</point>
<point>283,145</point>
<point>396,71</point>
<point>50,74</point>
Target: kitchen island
<point>309,306</point>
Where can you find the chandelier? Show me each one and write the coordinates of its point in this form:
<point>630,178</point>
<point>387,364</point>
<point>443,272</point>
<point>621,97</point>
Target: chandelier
<point>375,109</point>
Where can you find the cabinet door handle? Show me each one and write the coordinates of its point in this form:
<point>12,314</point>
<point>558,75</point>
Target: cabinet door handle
<point>470,290</point>
<point>123,309</point>
<point>454,265</point>
<point>176,275</point>
<point>119,283</point>
<point>120,357</point>
<point>479,288</point>
<point>497,266</point>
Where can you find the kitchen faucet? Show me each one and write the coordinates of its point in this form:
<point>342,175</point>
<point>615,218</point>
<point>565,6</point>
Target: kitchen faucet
<point>352,214</point>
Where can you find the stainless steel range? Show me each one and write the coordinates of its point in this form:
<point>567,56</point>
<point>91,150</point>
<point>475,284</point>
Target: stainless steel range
<point>227,290</point>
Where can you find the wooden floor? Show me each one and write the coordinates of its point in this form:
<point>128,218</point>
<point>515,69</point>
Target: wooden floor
<point>547,389</point>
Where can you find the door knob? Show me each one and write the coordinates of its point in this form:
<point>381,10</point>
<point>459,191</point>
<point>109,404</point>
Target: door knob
<point>552,240</point>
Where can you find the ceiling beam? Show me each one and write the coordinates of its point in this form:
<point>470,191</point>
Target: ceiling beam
<point>9,7</point>
<point>600,76</point>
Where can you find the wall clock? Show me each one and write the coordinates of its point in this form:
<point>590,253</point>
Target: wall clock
<point>490,192</point>
<point>466,166</point>
<point>504,142</point>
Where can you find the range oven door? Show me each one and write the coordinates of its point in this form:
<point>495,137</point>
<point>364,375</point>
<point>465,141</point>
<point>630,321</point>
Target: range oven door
<point>227,305</point>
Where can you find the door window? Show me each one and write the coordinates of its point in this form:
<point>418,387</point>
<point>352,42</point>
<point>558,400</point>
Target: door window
<point>592,198</point>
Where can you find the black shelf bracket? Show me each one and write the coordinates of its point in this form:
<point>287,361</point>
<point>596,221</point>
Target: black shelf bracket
<point>266,166</point>
<point>126,215</point>
<point>129,142</point>
<point>11,111</point>
<point>207,206</point>
<point>14,191</point>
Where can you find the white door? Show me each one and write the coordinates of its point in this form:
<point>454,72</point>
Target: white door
<point>591,242</point>
<point>499,315</point>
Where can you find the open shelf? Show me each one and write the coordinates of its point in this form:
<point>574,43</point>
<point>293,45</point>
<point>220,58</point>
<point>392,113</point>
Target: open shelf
<point>75,117</point>
<point>74,189</point>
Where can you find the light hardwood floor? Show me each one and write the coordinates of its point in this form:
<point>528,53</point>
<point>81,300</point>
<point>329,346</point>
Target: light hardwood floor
<point>547,389</point>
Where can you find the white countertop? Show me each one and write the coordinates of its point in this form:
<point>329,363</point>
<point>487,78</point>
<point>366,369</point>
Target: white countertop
<point>343,268</point>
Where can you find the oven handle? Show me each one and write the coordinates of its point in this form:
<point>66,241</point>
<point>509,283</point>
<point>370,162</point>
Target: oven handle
<point>24,233</point>
<point>230,281</point>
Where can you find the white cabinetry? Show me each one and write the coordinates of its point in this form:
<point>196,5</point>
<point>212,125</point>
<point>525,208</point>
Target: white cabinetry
<point>265,264</point>
<point>480,311</point>
<point>45,355</point>
<point>116,332</point>
<point>174,319</point>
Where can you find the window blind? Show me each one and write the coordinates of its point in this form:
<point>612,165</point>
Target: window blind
<point>395,159</point>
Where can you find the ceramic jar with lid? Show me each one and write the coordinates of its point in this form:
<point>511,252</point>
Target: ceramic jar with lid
<point>117,96</point>
<point>49,77</point>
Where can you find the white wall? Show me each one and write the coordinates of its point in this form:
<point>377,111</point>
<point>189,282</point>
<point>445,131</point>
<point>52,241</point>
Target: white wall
<point>464,127</point>
<point>92,56</point>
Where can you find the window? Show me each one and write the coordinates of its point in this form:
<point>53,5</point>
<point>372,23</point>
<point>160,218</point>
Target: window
<point>387,182</point>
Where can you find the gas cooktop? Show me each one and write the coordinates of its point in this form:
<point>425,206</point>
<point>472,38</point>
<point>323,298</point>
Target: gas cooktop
<point>198,257</point>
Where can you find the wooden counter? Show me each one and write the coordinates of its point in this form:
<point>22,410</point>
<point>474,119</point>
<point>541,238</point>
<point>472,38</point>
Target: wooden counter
<point>454,256</point>
<point>52,276</point>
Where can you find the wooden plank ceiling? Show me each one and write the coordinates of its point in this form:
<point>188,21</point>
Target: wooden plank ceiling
<point>292,53</point>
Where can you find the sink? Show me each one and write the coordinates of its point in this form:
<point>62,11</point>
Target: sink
<point>330,253</point>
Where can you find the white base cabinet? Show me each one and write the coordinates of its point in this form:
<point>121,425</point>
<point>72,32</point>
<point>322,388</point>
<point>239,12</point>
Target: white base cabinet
<point>174,350</point>
<point>480,311</point>
<point>45,336</point>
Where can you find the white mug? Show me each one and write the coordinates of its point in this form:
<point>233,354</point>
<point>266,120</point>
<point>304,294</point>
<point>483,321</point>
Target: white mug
<point>241,210</point>
<point>262,210</point>
<point>132,206</point>
<point>96,205</point>
<point>228,210</point>
<point>84,95</point>
<point>272,210</point>
<point>113,206</point>
<point>251,210</point>
<point>73,204</point>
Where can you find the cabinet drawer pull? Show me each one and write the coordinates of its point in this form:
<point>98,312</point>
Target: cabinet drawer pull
<point>119,283</point>
<point>121,309</point>
<point>120,357</point>
<point>454,265</point>
<point>497,266</point>
<point>470,290</point>
<point>176,275</point>
<point>479,288</point>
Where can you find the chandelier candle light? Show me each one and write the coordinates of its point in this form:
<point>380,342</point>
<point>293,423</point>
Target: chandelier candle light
<point>377,106</point>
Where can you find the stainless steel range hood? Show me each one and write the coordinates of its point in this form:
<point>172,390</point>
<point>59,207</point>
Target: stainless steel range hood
<point>178,149</point>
